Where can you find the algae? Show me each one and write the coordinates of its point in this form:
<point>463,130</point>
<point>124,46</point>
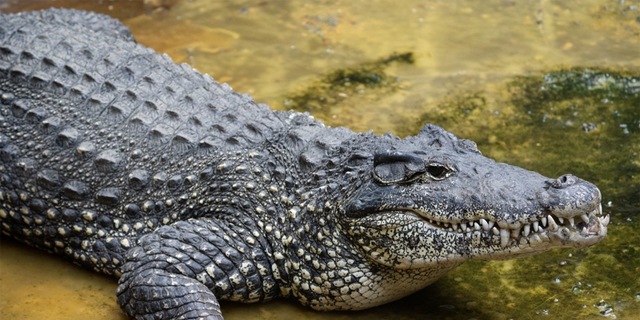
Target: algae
<point>335,86</point>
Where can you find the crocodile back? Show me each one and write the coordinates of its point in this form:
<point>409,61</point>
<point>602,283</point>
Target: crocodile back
<point>103,140</point>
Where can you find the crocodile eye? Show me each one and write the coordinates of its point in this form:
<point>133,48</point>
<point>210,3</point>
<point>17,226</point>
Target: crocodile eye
<point>390,166</point>
<point>438,171</point>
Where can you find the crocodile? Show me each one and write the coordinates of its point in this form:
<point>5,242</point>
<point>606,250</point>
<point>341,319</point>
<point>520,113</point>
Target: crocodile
<point>124,162</point>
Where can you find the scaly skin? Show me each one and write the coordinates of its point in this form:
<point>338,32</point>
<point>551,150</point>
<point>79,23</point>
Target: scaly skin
<point>124,162</point>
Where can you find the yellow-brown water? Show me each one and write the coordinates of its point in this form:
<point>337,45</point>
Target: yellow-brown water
<point>469,59</point>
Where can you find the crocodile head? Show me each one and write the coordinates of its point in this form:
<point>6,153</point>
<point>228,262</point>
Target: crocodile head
<point>434,199</point>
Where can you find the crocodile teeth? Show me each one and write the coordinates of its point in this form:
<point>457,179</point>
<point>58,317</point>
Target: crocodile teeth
<point>595,228</point>
<point>552,224</point>
<point>544,236</point>
<point>504,237</point>
<point>535,229</point>
<point>485,225</point>
<point>585,218</point>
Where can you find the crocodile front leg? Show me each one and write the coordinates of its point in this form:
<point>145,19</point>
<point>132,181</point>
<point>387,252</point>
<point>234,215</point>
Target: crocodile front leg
<point>180,271</point>
<point>159,294</point>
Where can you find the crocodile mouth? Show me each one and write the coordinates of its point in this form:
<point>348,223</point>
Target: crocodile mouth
<point>578,227</point>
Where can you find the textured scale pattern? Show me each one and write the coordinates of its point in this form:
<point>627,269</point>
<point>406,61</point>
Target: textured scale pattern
<point>101,114</point>
<point>122,161</point>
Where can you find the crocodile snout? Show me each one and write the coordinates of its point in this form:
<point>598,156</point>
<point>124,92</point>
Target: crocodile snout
<point>569,196</point>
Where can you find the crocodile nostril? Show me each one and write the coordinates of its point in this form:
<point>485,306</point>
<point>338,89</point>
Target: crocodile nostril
<point>565,181</point>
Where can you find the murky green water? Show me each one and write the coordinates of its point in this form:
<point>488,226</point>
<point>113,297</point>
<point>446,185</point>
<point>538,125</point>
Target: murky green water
<point>552,86</point>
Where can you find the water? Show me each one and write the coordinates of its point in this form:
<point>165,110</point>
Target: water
<point>552,86</point>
